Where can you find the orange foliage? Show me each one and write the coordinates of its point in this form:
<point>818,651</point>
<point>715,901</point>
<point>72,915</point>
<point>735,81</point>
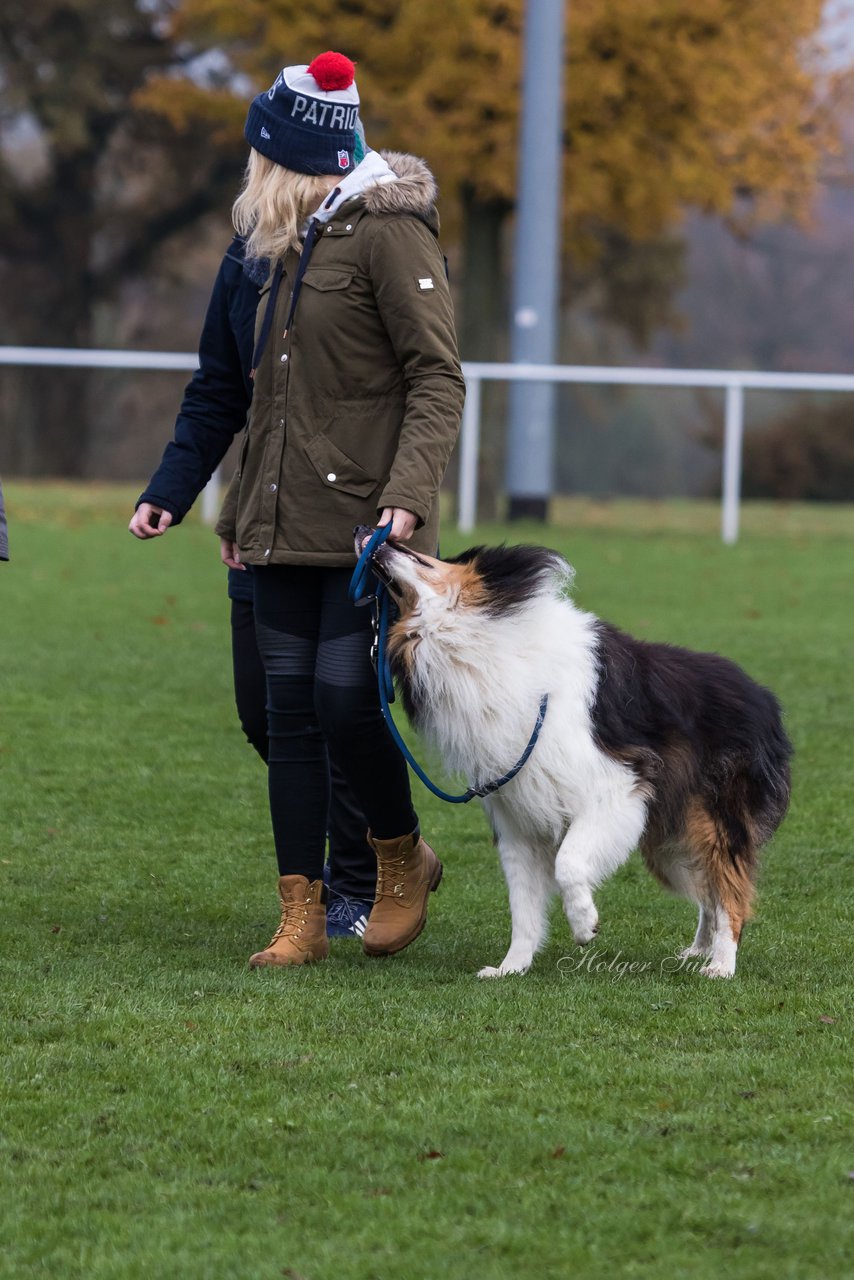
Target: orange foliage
<point>669,103</point>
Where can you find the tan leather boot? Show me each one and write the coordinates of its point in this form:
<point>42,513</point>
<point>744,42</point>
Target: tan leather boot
<point>407,873</point>
<point>301,935</point>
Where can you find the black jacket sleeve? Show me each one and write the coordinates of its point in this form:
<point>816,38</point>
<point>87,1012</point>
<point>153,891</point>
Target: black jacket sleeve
<point>218,395</point>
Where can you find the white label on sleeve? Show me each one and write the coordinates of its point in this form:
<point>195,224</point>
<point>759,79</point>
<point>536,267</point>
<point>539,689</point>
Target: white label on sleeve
<point>425,283</point>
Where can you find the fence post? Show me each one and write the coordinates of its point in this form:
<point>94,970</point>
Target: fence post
<point>733,438</point>
<point>469,454</point>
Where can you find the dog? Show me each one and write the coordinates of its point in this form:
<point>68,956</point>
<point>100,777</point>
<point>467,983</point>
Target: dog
<point>643,745</point>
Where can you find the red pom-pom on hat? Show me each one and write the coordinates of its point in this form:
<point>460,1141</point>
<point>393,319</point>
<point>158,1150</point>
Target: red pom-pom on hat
<point>332,71</point>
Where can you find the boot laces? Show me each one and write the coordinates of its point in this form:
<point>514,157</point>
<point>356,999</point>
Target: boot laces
<point>294,915</point>
<point>391,877</point>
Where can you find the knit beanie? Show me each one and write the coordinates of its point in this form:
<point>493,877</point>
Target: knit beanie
<point>307,120</point>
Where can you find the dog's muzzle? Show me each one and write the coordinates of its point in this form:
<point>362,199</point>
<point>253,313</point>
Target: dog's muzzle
<point>382,555</point>
<point>362,534</point>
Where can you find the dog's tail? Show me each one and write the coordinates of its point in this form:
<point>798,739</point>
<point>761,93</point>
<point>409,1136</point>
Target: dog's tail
<point>769,775</point>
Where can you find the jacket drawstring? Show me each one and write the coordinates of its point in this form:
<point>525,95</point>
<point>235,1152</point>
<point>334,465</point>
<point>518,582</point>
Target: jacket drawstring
<point>267,322</point>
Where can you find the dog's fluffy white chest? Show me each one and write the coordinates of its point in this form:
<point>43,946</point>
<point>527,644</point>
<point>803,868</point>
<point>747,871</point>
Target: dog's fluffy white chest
<point>485,691</point>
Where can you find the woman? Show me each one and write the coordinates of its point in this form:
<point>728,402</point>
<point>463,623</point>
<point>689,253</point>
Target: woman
<point>213,411</point>
<point>355,409</point>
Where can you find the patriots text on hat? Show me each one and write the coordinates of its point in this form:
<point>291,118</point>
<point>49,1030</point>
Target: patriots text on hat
<point>310,111</point>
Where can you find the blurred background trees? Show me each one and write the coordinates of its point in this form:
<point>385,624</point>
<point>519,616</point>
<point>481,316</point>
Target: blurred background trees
<point>700,138</point>
<point>697,104</point>
<point>90,191</point>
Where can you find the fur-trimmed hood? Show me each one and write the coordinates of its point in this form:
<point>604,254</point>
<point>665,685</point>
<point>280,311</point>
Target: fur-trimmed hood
<point>413,190</point>
<point>386,182</point>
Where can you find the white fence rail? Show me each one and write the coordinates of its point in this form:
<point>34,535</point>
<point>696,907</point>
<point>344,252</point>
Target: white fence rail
<point>735,382</point>
<point>90,358</point>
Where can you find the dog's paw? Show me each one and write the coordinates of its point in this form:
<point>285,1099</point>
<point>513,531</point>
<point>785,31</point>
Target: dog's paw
<point>719,969</point>
<point>489,971</point>
<point>583,936</point>
<point>585,927</point>
<point>688,953</point>
<point>584,924</point>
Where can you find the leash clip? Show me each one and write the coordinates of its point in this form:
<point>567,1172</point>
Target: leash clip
<point>375,632</point>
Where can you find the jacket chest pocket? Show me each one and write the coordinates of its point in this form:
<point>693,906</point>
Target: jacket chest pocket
<point>325,303</point>
<point>329,279</point>
<point>337,470</point>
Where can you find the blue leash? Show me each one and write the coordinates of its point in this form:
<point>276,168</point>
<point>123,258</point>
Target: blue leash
<point>361,593</point>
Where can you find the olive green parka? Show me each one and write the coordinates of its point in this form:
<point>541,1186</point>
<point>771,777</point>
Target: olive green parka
<point>358,407</point>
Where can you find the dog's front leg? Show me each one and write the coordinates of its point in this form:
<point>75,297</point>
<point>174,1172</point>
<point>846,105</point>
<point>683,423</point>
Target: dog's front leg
<point>530,885</point>
<point>598,841</point>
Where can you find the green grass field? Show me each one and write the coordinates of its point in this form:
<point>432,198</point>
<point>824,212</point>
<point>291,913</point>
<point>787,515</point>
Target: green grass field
<point>165,1112</point>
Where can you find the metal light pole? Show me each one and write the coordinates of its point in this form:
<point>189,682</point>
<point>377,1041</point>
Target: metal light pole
<point>536,269</point>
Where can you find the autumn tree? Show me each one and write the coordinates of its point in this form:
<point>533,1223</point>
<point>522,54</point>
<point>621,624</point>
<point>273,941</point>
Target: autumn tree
<point>89,189</point>
<point>669,105</point>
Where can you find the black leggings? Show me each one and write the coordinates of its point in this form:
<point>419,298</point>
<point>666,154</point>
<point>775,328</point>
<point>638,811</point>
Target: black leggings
<point>352,862</point>
<point>250,682</point>
<point>322,693</point>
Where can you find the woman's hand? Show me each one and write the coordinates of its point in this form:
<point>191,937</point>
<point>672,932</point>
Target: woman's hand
<point>149,521</point>
<point>402,522</point>
<point>229,554</point>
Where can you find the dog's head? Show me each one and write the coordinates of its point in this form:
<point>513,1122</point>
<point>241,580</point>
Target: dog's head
<point>491,581</point>
<point>449,633</point>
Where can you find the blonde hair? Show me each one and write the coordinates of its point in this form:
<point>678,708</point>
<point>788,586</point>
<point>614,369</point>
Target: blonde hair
<point>273,204</point>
